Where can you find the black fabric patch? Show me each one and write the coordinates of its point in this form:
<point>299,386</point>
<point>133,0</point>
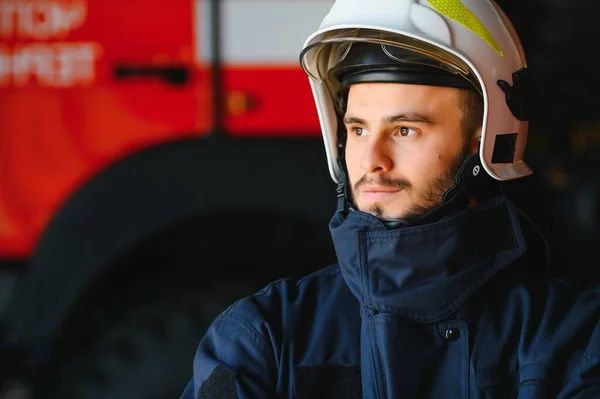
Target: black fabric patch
<point>328,381</point>
<point>219,385</point>
<point>504,148</point>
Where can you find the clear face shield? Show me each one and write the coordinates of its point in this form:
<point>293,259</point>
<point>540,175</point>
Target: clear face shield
<point>319,59</point>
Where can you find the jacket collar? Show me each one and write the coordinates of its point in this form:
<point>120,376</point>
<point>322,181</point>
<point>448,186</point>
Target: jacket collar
<point>426,272</point>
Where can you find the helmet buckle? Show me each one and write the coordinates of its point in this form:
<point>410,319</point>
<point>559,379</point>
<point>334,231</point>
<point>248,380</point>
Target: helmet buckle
<point>518,96</point>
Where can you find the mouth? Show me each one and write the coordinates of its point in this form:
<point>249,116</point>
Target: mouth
<point>377,193</point>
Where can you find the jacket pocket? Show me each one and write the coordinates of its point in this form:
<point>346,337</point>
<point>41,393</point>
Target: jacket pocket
<point>535,381</point>
<point>494,383</point>
<point>532,381</point>
<point>327,381</point>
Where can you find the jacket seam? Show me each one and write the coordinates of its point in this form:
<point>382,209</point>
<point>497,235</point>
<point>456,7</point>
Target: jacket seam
<point>376,358</point>
<point>269,287</point>
<point>592,291</point>
<point>585,359</point>
<point>451,307</point>
<point>362,265</point>
<point>336,271</point>
<point>596,348</point>
<point>256,335</point>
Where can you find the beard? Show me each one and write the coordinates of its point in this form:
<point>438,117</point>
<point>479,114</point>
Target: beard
<point>430,199</point>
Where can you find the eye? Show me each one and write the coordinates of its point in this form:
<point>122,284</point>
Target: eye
<point>405,131</point>
<point>359,131</point>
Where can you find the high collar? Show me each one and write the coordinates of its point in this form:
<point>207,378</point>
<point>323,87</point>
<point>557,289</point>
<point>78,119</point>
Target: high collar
<point>426,272</point>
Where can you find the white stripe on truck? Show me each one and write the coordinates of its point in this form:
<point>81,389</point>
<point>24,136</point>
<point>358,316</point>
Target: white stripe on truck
<point>258,32</point>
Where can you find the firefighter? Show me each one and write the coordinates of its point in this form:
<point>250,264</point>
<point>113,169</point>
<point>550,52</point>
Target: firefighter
<point>442,287</point>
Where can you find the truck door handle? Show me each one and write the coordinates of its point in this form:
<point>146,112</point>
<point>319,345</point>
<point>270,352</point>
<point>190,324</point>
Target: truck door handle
<point>176,75</point>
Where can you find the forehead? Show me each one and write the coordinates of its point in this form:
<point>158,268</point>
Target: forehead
<point>385,98</point>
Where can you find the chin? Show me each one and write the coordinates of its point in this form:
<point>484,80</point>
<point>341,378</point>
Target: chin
<point>385,212</point>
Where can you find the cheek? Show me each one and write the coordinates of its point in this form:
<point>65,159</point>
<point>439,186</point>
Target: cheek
<point>353,158</point>
<point>420,167</point>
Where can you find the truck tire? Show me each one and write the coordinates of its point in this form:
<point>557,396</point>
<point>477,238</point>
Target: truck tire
<point>147,354</point>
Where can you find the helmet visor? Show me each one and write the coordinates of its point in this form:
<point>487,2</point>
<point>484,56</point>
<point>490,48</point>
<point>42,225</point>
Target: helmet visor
<point>318,59</point>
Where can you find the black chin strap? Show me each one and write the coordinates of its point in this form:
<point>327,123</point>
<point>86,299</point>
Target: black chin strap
<point>471,180</point>
<point>342,187</point>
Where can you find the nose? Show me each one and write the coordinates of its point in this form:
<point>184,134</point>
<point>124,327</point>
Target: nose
<point>376,158</point>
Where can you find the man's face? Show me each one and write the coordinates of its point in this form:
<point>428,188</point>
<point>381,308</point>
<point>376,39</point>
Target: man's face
<point>405,144</point>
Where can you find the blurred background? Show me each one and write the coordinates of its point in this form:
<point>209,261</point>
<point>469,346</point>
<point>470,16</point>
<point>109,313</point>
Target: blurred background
<point>159,160</point>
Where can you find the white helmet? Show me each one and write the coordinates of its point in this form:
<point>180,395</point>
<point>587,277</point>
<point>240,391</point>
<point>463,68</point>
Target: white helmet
<point>472,38</point>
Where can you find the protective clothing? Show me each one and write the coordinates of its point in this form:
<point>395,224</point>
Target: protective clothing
<point>470,38</point>
<point>442,310</point>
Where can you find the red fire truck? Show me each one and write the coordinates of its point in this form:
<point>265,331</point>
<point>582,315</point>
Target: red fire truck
<point>157,161</point>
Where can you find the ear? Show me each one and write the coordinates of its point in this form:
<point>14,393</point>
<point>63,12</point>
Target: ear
<point>475,141</point>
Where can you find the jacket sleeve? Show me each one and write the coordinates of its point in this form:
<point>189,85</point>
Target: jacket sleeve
<point>584,382</point>
<point>233,361</point>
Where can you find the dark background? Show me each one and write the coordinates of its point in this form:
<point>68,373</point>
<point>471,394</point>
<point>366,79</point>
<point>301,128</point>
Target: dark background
<point>562,196</point>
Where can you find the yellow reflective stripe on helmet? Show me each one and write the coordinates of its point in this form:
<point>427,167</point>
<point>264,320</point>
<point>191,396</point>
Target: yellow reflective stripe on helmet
<point>457,11</point>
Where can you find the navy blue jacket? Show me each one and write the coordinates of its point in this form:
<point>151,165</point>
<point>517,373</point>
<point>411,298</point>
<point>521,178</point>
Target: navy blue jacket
<point>460,308</point>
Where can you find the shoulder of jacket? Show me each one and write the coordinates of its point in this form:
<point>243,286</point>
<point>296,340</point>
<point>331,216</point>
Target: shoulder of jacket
<point>285,290</point>
<point>271,312</point>
<point>589,292</point>
<point>588,305</point>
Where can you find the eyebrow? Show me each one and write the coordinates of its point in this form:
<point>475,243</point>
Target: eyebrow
<point>404,117</point>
